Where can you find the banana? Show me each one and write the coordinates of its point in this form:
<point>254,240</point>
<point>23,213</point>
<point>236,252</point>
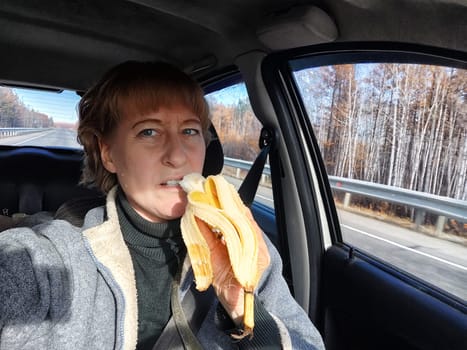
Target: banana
<point>216,202</point>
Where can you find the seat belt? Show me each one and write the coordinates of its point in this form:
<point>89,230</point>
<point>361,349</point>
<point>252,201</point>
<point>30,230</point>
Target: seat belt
<point>187,318</point>
<point>249,186</point>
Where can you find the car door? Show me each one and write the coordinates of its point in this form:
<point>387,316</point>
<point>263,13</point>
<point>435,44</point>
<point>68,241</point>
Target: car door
<point>370,190</point>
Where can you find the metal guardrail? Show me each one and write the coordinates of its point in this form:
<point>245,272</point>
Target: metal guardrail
<point>453,208</point>
<point>444,207</point>
<point>244,165</point>
<point>7,132</point>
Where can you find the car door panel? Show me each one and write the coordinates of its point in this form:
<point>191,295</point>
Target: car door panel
<point>370,308</point>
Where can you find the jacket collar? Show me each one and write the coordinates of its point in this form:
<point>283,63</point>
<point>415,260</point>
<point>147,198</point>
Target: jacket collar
<point>109,248</point>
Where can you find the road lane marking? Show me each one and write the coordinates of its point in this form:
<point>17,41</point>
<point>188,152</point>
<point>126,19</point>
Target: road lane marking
<point>30,139</point>
<point>406,248</point>
<point>265,198</point>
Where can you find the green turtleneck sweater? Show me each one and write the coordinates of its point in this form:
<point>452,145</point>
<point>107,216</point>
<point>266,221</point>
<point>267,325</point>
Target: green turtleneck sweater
<point>156,250</point>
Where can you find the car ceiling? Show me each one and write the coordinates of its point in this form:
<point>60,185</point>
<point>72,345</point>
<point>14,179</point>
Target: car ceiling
<point>70,43</point>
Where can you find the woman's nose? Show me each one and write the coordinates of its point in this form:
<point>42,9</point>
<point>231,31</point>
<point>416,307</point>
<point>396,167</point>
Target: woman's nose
<point>175,154</point>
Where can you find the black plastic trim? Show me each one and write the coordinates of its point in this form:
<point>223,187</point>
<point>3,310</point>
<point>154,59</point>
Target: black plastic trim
<point>386,309</point>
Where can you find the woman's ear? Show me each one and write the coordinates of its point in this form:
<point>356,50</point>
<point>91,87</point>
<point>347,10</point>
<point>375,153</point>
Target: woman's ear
<point>106,156</point>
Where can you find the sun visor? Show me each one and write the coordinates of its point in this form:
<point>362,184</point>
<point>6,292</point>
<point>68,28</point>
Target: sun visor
<point>299,26</point>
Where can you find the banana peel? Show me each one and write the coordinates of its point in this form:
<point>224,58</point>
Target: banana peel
<point>216,202</point>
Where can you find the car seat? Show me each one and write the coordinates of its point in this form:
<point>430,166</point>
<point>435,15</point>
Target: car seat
<point>36,179</point>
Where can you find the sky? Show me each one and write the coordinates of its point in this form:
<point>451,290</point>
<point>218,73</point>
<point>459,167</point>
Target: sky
<point>230,95</point>
<point>60,106</point>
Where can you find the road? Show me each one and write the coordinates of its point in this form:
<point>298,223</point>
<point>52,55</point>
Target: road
<point>440,262</point>
<point>50,137</point>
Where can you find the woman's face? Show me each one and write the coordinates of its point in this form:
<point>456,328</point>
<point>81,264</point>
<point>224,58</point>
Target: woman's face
<point>148,152</point>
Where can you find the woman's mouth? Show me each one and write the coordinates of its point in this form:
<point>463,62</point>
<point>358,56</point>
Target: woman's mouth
<point>172,183</point>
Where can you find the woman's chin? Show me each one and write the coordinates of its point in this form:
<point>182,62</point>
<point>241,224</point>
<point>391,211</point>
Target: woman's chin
<point>175,210</point>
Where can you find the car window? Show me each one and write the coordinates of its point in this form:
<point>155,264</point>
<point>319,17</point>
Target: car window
<point>393,137</point>
<point>38,118</point>
<point>238,130</point>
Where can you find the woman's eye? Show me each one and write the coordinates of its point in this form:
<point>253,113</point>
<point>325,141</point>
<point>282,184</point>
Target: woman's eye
<point>191,131</point>
<point>148,132</point>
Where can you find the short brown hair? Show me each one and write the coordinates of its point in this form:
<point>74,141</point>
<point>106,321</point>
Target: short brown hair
<point>142,86</point>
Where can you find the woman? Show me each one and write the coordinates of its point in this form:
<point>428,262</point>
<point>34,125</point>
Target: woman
<point>121,281</point>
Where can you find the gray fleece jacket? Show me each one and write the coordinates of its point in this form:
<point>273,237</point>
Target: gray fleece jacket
<point>63,287</point>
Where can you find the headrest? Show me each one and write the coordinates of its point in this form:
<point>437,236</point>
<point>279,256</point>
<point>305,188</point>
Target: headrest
<point>214,161</point>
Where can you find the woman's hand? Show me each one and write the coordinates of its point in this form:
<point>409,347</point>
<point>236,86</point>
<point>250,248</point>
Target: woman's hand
<point>227,288</point>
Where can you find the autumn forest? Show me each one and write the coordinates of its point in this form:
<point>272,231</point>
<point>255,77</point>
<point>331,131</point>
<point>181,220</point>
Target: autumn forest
<point>396,124</point>
<point>14,114</point>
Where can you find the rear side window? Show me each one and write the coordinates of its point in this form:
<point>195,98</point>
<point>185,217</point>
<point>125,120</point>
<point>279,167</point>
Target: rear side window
<point>393,137</point>
<point>239,131</point>
<point>38,118</point>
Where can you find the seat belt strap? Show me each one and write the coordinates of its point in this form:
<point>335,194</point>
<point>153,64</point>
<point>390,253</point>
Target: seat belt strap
<point>189,340</point>
<point>249,186</point>
<point>187,317</point>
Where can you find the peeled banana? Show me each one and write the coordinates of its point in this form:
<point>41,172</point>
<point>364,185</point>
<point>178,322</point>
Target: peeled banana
<point>217,203</point>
